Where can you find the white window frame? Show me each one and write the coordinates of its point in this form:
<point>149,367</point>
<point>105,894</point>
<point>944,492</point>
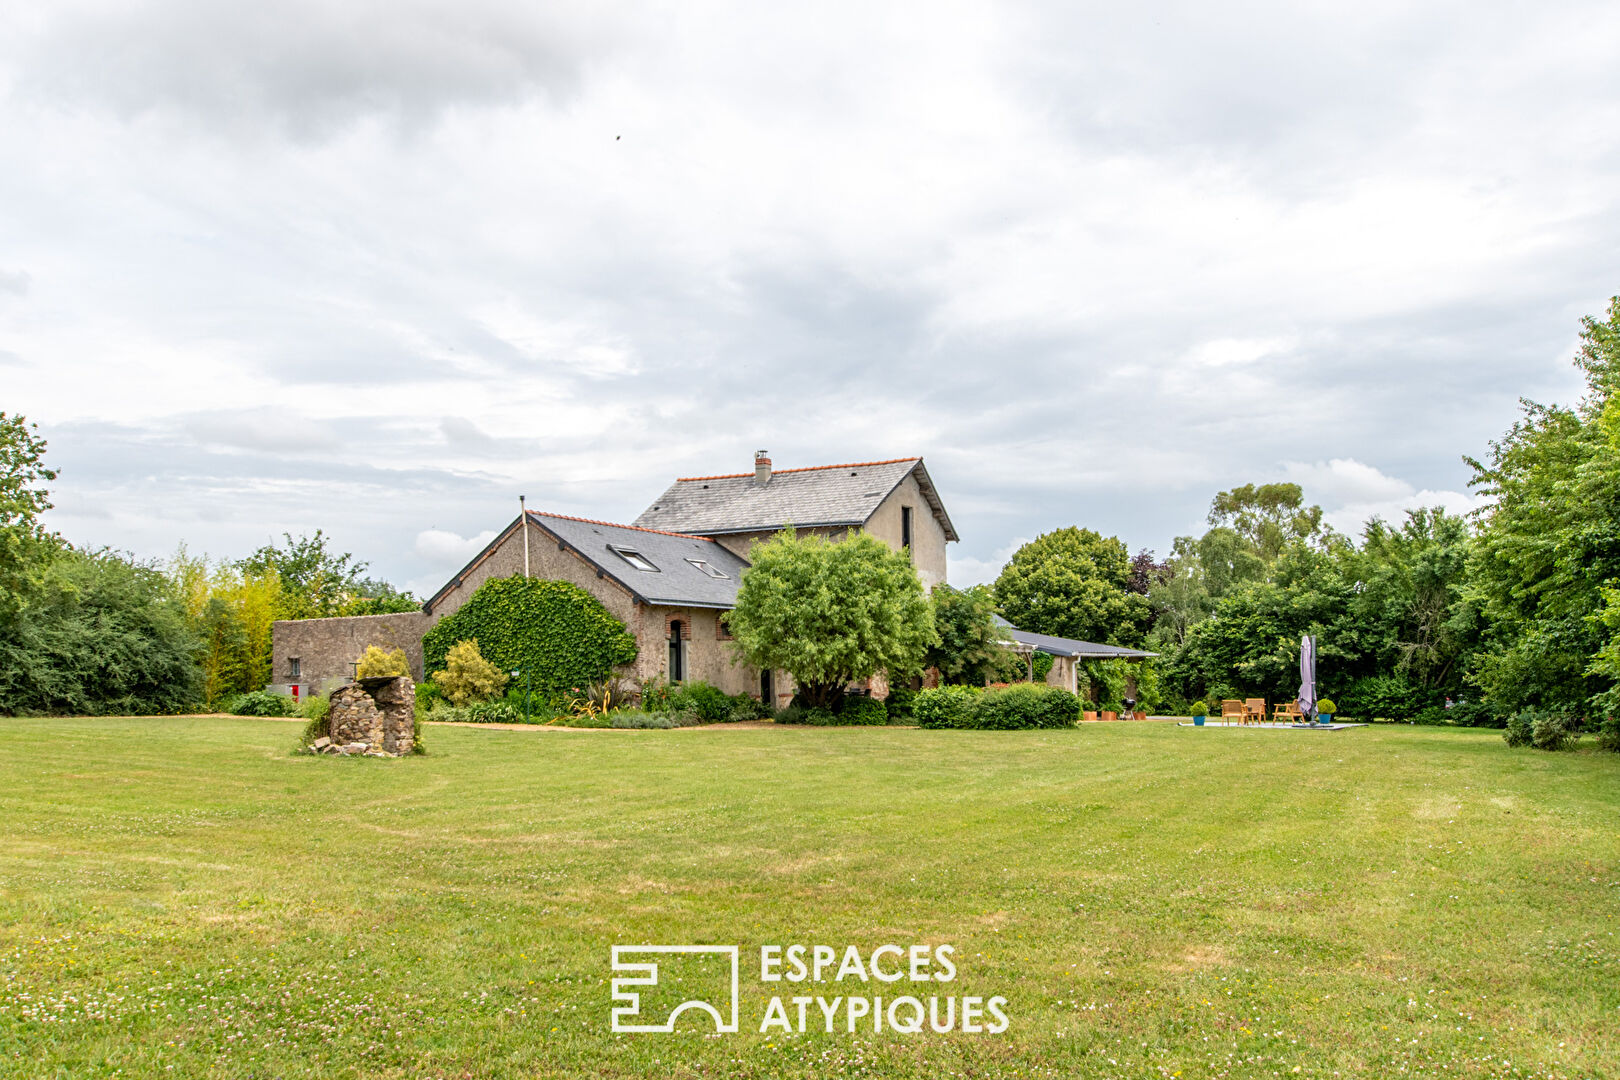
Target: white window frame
<point>635,558</point>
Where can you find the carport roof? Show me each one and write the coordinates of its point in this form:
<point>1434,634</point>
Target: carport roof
<point>1079,650</point>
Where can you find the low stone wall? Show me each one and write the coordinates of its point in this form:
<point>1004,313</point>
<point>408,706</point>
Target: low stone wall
<point>376,717</point>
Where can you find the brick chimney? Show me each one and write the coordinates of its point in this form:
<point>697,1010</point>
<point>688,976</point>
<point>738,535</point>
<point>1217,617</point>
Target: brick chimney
<point>762,467</point>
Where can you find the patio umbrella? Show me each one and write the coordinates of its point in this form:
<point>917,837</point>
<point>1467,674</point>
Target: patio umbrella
<point>1307,676</point>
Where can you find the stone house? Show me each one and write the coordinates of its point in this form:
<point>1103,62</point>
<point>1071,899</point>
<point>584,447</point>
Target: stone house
<point>668,577</point>
<point>893,500</point>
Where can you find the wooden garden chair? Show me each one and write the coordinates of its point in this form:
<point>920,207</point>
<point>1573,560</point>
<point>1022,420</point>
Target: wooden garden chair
<point>1232,709</point>
<point>1254,709</point>
<point>1287,714</point>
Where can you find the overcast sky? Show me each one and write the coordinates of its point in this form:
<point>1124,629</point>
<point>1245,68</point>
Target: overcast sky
<point>379,267</point>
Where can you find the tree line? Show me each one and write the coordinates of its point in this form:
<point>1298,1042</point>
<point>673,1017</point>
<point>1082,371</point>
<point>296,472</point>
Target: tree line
<point>98,632</point>
<point>1513,607</point>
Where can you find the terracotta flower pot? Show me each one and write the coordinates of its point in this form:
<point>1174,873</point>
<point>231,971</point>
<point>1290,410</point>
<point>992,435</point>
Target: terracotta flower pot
<point>1107,715</point>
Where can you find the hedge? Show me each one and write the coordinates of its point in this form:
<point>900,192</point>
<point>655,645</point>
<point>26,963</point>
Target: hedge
<point>1023,705</point>
<point>1001,708</point>
<point>555,631</point>
<point>943,706</point>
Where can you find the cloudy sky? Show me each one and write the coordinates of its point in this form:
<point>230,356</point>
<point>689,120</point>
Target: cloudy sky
<point>379,267</point>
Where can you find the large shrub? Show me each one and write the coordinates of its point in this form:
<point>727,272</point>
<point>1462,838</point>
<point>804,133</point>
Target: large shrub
<point>556,632</point>
<point>943,706</point>
<point>745,708</point>
<point>377,662</point>
<point>900,703</point>
<point>1022,705</point>
<point>1517,731</point>
<point>709,702</point>
<point>1553,731</point>
<point>468,677</point>
<point>863,711</point>
<point>100,635</point>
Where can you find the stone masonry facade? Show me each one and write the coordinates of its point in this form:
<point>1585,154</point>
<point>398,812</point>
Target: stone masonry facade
<point>325,648</point>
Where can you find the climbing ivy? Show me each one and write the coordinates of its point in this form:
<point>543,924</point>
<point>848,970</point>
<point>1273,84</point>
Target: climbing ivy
<point>1041,663</point>
<point>557,632</point>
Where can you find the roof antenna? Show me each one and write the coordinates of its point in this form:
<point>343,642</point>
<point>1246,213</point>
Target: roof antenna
<point>523,516</point>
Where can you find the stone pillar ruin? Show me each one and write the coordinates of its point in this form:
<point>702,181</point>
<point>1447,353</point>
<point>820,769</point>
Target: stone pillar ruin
<point>372,716</point>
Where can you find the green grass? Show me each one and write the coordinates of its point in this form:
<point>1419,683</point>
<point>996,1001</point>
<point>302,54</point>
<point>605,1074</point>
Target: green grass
<point>181,897</point>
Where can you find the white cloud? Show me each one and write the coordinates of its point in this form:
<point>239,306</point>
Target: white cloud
<point>284,430</point>
<point>1095,266</point>
<point>448,549</point>
<point>1352,493</point>
<point>964,570</point>
<point>1224,352</point>
<point>1345,480</point>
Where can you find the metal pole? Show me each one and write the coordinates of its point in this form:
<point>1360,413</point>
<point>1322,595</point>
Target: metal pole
<point>523,516</point>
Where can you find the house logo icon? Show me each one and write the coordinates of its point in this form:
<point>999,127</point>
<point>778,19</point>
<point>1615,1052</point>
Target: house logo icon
<point>641,963</point>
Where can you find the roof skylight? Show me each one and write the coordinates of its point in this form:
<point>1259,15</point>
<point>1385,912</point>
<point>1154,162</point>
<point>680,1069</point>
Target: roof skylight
<point>634,558</point>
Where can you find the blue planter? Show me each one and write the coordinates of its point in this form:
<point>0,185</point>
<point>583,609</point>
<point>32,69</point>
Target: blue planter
<point>1324,718</point>
<point>1198,721</point>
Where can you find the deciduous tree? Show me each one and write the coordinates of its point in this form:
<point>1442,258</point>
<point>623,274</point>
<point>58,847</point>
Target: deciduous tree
<point>1074,583</point>
<point>831,613</point>
<point>970,648</point>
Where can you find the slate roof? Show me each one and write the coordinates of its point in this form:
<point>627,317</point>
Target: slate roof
<point>1080,650</point>
<point>818,496</point>
<point>676,582</point>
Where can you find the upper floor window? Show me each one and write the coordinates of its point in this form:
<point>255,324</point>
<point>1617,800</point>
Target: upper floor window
<point>712,571</point>
<point>295,667</point>
<point>634,558</point>
<point>905,527</point>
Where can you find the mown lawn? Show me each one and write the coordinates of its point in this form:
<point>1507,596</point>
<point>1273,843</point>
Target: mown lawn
<point>182,897</point>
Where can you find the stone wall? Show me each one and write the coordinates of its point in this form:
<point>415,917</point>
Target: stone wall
<point>325,648</point>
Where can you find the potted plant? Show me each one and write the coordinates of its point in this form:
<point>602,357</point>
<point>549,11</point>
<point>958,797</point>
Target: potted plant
<point>1199,712</point>
<point>1325,710</point>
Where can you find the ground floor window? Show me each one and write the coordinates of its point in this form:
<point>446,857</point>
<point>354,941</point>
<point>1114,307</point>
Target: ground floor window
<point>767,688</point>
<point>677,652</point>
